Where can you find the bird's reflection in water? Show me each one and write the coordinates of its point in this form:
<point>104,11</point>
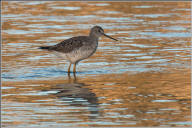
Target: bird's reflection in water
<point>78,95</point>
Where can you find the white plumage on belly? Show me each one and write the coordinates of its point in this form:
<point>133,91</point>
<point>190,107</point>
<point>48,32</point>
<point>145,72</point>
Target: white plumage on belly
<point>77,54</point>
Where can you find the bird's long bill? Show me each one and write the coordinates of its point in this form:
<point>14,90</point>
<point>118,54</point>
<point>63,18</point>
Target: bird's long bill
<point>110,37</point>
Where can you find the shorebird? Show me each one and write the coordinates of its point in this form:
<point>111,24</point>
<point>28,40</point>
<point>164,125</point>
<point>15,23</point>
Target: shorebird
<point>78,48</point>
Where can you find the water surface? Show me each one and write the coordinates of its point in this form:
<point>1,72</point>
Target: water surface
<point>142,80</point>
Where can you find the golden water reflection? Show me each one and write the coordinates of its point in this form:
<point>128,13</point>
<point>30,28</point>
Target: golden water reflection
<point>157,99</point>
<point>143,80</point>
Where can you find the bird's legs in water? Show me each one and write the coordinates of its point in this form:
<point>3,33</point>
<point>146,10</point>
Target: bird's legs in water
<point>69,68</point>
<point>74,68</point>
<point>74,71</point>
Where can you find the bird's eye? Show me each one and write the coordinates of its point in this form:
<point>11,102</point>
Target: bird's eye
<point>99,30</point>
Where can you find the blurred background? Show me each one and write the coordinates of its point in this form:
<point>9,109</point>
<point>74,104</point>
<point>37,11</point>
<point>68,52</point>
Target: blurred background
<point>142,80</point>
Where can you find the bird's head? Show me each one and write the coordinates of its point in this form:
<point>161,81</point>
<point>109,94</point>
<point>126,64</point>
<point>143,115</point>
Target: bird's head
<point>97,31</point>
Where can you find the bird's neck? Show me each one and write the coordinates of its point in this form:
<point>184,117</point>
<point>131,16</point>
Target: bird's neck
<point>93,36</point>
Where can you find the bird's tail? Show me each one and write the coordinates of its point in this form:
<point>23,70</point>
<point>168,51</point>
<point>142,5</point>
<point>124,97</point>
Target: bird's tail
<point>45,47</point>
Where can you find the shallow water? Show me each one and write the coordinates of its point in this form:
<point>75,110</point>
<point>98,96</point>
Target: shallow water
<point>142,80</point>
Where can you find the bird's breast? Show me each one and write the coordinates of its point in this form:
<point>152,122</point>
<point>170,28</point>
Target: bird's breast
<point>82,53</point>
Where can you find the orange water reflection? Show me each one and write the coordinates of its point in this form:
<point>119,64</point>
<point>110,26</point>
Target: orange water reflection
<point>143,80</point>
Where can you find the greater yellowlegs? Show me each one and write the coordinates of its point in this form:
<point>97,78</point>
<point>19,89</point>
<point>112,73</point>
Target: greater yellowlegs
<point>78,48</point>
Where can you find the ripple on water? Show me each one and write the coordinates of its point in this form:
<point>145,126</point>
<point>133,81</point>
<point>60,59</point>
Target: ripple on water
<point>34,2</point>
<point>172,34</point>
<point>164,101</point>
<point>126,77</point>
<point>154,15</point>
<point>66,8</point>
<point>144,6</point>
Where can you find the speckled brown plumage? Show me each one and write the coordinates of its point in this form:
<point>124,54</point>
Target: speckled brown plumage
<point>69,45</point>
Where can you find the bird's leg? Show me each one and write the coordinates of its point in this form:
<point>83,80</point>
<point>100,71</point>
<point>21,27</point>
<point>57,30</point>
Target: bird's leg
<point>69,76</point>
<point>69,68</point>
<point>75,78</point>
<point>74,68</point>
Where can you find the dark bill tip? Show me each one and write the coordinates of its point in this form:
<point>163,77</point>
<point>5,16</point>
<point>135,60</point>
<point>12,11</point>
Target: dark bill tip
<point>110,37</point>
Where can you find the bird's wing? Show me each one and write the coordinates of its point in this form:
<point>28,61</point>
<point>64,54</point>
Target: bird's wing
<point>69,44</point>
